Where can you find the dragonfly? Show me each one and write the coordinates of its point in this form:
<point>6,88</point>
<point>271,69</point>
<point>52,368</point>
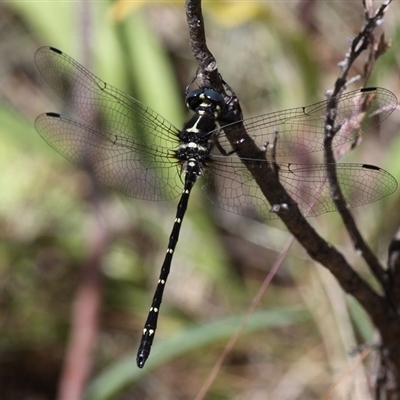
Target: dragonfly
<point>131,148</point>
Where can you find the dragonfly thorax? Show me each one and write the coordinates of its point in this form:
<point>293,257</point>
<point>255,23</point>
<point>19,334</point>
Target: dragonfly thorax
<point>195,139</point>
<point>194,151</point>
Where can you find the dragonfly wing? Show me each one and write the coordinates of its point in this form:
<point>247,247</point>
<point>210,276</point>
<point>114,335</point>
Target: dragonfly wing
<point>118,162</point>
<point>99,104</point>
<point>301,130</point>
<point>236,190</point>
<point>360,184</point>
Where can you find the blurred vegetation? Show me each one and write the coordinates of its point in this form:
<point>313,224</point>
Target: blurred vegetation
<point>275,55</point>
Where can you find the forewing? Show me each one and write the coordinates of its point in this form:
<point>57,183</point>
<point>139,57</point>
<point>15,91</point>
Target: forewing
<point>101,105</point>
<point>301,130</point>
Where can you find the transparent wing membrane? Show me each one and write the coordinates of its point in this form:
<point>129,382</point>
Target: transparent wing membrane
<point>131,148</point>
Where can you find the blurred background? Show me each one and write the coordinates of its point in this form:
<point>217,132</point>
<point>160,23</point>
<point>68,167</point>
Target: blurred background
<point>62,253</point>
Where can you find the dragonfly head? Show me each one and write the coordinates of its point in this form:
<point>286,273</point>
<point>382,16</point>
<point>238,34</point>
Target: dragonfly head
<point>205,101</point>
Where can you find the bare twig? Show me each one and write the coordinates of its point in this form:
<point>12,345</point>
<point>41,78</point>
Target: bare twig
<point>359,44</point>
<point>394,268</point>
<point>288,211</point>
<point>208,68</point>
<point>208,74</point>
